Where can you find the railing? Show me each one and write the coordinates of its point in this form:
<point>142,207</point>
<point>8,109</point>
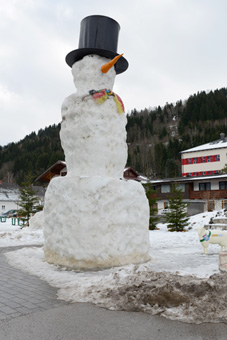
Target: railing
<point>208,194</point>
<point>14,220</point>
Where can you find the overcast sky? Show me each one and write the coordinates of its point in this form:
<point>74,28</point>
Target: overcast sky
<point>175,48</point>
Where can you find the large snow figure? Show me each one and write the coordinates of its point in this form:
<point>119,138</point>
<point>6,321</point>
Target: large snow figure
<point>94,218</point>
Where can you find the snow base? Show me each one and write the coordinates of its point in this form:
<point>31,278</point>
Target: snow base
<point>94,264</point>
<point>134,288</point>
<point>95,222</point>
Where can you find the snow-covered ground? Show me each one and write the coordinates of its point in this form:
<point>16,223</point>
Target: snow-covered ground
<point>178,282</point>
<point>13,235</point>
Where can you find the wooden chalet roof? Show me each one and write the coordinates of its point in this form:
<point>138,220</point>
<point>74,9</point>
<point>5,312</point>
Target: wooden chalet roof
<point>54,170</point>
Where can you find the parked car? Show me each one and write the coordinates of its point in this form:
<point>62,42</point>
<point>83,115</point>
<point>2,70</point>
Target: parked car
<point>9,213</point>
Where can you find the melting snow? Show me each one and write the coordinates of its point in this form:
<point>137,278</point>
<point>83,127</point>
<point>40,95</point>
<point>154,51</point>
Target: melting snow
<point>178,282</point>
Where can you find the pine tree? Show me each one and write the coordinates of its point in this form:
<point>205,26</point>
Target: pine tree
<point>224,170</point>
<point>176,217</point>
<point>152,199</point>
<point>28,201</point>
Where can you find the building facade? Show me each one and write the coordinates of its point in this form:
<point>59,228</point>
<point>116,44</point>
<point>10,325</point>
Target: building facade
<point>206,193</point>
<point>204,160</point>
<point>10,196</point>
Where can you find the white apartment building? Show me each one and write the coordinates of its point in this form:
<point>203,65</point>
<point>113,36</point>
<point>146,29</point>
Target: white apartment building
<point>205,160</point>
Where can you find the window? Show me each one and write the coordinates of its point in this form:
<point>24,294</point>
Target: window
<point>208,186</point>
<point>209,159</point>
<point>181,187</point>
<point>201,186</point>
<point>165,188</point>
<point>222,185</point>
<point>204,159</point>
<point>195,160</point>
<point>3,207</point>
<point>204,186</point>
<point>224,204</point>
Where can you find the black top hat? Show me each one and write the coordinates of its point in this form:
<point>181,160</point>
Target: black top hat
<point>98,35</point>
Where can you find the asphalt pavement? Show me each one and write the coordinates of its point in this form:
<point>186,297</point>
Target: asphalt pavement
<point>30,310</point>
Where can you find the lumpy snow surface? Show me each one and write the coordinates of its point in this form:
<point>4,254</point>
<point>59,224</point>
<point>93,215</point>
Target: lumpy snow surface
<point>99,222</point>
<point>93,218</point>
<point>87,75</point>
<point>93,137</point>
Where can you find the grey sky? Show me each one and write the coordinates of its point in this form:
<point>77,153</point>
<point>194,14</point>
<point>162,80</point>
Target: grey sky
<point>175,48</point>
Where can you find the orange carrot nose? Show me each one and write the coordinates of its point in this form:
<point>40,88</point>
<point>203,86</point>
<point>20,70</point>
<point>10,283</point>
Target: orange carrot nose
<point>106,67</point>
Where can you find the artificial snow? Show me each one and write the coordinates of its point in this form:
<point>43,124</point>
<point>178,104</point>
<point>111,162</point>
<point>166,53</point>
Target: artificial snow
<point>178,282</point>
<point>92,217</point>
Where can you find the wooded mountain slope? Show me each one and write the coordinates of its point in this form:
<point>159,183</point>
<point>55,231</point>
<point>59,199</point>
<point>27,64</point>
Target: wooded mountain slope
<point>155,138</point>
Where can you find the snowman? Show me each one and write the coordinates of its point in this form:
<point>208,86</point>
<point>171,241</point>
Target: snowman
<point>93,218</point>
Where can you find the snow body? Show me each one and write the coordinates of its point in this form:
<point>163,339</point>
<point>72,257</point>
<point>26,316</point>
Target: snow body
<point>94,218</point>
<point>93,136</point>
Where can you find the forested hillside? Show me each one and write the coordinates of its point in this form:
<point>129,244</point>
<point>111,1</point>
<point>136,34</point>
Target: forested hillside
<point>155,138</point>
<point>35,153</point>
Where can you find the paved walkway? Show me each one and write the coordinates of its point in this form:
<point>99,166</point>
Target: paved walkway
<point>30,310</point>
<point>22,293</point>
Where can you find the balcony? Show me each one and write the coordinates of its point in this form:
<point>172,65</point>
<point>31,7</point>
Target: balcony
<point>207,194</point>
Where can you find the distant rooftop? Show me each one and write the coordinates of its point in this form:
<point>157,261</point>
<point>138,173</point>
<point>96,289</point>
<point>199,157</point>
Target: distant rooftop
<point>9,192</point>
<point>217,144</point>
<point>189,179</point>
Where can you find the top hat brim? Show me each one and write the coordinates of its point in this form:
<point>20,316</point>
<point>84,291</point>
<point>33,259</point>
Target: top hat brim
<point>73,56</point>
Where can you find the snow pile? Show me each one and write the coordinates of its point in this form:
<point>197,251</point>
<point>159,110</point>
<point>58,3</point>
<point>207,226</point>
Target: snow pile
<point>13,235</point>
<point>133,288</point>
<point>93,218</point>
<point>36,222</point>
<point>202,219</point>
<point>178,283</point>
